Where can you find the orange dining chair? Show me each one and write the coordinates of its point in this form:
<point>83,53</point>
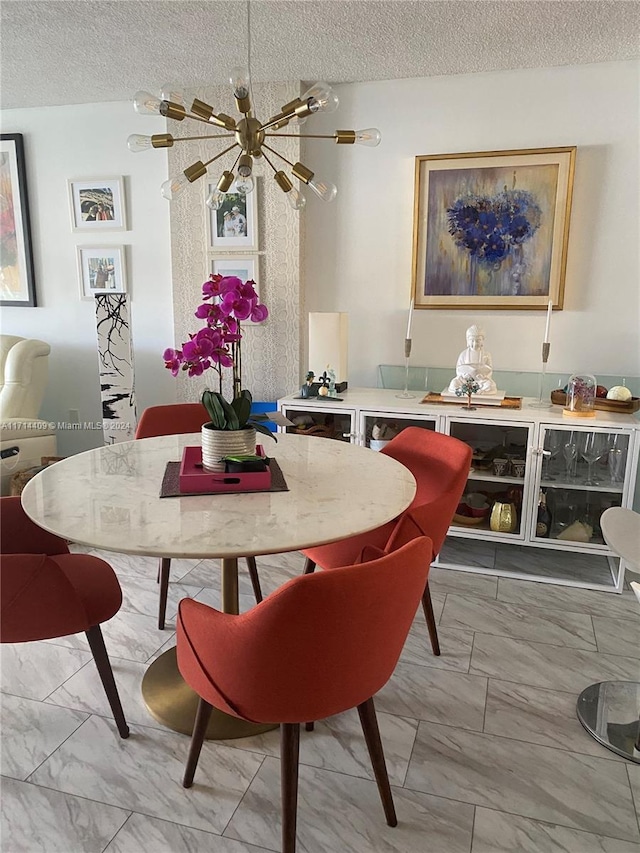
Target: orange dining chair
<point>180,419</point>
<point>46,592</point>
<point>319,645</point>
<point>440,465</point>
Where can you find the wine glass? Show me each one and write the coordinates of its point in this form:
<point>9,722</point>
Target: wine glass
<point>592,448</point>
<point>553,443</point>
<point>616,460</point>
<point>570,453</point>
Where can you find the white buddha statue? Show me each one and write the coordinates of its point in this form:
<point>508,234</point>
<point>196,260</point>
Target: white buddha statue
<point>475,363</point>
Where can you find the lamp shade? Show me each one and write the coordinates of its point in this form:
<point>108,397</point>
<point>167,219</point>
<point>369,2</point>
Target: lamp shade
<point>328,337</point>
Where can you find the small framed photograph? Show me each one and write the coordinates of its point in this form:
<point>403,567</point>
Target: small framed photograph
<point>101,270</point>
<point>97,204</point>
<point>242,266</point>
<point>234,226</point>
<point>17,284</point>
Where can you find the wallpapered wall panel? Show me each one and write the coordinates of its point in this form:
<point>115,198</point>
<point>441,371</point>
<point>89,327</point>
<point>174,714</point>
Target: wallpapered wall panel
<point>271,352</point>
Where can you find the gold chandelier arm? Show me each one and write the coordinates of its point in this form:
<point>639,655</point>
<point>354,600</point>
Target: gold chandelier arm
<point>268,161</point>
<point>273,151</point>
<point>235,162</point>
<point>211,136</point>
<point>286,114</point>
<point>221,154</point>
<point>304,135</point>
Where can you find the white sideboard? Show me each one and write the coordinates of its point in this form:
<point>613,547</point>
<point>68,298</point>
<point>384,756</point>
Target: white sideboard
<point>537,436</point>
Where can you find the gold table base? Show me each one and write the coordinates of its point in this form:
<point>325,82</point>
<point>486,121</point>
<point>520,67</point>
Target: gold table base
<point>171,701</point>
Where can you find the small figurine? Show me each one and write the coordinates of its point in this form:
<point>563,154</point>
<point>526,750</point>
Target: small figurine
<point>474,364</point>
<point>332,383</point>
<point>305,391</point>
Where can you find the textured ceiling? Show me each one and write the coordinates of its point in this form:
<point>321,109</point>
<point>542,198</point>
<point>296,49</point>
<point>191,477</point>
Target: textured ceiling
<point>60,52</point>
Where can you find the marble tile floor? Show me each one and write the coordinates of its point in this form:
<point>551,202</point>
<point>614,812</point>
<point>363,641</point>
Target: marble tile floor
<point>484,751</point>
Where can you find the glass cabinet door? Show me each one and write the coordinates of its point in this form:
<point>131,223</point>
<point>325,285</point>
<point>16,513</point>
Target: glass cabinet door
<point>322,422</point>
<point>377,428</point>
<point>495,500</point>
<point>582,473</point>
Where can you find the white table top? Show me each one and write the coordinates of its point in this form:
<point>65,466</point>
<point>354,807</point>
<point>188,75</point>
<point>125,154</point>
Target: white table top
<point>109,498</point>
<point>621,530</point>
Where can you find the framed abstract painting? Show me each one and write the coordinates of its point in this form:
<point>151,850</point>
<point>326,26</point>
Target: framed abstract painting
<point>17,281</point>
<point>491,228</point>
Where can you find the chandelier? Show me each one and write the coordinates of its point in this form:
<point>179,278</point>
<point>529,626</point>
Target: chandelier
<point>251,136</point>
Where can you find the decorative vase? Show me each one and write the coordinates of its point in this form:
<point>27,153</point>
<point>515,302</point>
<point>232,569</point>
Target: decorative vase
<point>503,517</point>
<point>217,443</point>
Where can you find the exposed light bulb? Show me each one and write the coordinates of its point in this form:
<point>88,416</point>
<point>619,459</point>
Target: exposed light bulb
<point>295,198</point>
<point>370,137</point>
<point>174,186</point>
<point>146,104</point>
<point>215,199</point>
<point>245,185</point>
<point>239,79</point>
<point>245,165</point>
<point>323,189</point>
<point>176,96</point>
<point>137,142</point>
<point>321,98</point>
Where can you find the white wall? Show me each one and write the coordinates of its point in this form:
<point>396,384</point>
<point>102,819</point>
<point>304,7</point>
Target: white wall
<point>83,142</point>
<point>359,249</point>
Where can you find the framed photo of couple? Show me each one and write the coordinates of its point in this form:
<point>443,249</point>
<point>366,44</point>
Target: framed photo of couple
<point>234,226</point>
<point>97,204</point>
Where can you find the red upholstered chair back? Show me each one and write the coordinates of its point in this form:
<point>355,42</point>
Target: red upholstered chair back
<point>19,535</point>
<point>176,419</point>
<point>440,464</point>
<point>320,644</point>
<point>46,592</point>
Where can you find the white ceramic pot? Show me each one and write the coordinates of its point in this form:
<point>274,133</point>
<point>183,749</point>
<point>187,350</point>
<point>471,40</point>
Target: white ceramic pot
<point>217,443</point>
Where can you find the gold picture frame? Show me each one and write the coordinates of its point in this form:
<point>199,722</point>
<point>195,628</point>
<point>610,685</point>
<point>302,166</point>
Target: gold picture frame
<point>491,228</point>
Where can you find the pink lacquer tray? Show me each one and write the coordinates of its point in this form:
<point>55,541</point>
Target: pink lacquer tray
<point>195,478</point>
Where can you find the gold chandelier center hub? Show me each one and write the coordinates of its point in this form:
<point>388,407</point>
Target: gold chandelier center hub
<point>249,136</point>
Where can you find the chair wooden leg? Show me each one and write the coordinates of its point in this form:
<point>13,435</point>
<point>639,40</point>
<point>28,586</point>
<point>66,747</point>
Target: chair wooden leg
<point>309,727</point>
<point>159,572</point>
<point>309,566</point>
<point>255,579</point>
<point>427,606</point>
<point>369,723</point>
<point>289,753</point>
<point>165,568</point>
<point>103,665</point>
<point>197,738</point>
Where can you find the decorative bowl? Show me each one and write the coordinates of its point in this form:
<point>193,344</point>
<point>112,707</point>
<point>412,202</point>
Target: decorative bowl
<point>474,505</point>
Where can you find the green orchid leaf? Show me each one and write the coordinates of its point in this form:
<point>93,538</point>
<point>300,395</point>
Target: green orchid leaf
<point>215,410</point>
<point>261,428</point>
<point>242,408</point>
<point>230,416</point>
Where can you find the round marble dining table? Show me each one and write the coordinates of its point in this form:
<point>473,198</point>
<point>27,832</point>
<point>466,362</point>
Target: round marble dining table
<point>109,498</point>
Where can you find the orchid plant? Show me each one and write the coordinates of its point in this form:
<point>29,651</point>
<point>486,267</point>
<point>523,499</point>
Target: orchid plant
<point>227,302</point>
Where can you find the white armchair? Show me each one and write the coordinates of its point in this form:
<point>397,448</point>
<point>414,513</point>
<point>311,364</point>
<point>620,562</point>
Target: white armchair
<point>23,378</point>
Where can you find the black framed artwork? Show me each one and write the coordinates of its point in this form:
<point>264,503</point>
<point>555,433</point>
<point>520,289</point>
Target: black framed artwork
<point>17,280</point>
